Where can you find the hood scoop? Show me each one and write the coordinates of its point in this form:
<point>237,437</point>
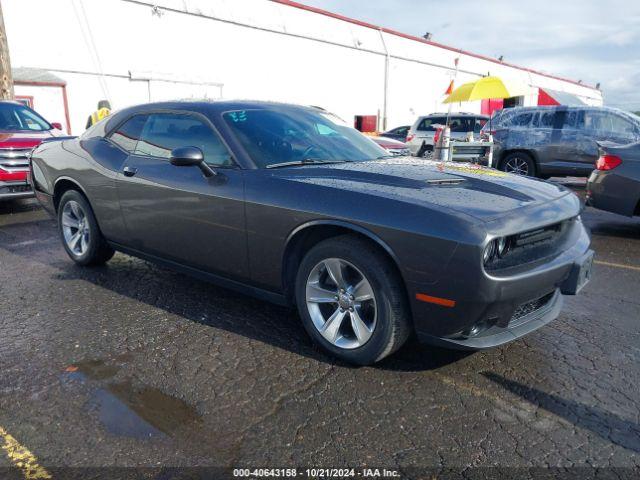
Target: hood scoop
<point>445,182</point>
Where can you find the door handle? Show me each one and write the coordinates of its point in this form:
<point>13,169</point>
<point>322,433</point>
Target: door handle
<point>129,171</point>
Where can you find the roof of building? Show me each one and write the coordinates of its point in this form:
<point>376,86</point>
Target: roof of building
<point>36,76</point>
<point>423,40</point>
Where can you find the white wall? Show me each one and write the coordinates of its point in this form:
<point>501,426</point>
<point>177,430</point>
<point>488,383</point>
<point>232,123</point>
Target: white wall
<point>47,101</point>
<point>239,49</point>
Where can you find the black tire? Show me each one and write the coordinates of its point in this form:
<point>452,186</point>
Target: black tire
<point>514,163</point>
<point>392,320</point>
<point>97,250</point>
<point>425,150</point>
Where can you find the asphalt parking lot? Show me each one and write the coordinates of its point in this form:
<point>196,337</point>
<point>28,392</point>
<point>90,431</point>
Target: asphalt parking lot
<point>131,365</point>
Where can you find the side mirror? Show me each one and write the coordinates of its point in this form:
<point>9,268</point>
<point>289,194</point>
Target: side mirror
<point>56,125</point>
<point>190,157</point>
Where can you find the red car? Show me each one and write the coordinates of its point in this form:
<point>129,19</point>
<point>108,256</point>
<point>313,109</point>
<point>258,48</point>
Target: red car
<point>394,147</point>
<point>21,129</point>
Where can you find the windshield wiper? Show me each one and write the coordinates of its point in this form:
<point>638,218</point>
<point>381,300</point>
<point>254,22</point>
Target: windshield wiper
<point>306,161</point>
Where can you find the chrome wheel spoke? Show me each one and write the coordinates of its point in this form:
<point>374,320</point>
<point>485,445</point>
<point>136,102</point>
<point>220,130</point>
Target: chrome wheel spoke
<point>334,270</point>
<point>359,327</point>
<point>362,291</point>
<point>73,242</point>
<point>332,326</point>
<point>84,243</point>
<point>318,294</point>
<point>69,221</point>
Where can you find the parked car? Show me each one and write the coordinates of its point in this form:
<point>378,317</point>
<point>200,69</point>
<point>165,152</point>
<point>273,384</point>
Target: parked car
<point>286,203</point>
<point>394,147</point>
<point>21,129</point>
<point>398,133</point>
<point>615,183</point>
<point>420,138</point>
<point>557,141</point>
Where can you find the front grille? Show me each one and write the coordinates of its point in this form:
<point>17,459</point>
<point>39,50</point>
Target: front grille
<point>540,235</point>
<point>527,308</point>
<point>14,159</point>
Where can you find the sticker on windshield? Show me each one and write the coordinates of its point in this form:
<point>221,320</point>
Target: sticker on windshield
<point>239,116</point>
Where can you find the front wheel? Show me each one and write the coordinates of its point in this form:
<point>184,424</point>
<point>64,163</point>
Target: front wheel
<point>519,163</point>
<point>79,231</point>
<point>352,301</point>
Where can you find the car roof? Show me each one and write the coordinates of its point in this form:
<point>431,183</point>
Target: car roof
<point>205,106</point>
<point>453,114</point>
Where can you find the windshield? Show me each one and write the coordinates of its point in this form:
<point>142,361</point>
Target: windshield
<point>14,117</point>
<point>283,135</point>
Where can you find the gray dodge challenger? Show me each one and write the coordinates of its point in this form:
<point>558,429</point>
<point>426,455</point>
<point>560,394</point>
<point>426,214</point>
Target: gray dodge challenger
<point>289,204</point>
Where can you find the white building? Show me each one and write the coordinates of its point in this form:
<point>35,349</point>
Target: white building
<point>135,51</point>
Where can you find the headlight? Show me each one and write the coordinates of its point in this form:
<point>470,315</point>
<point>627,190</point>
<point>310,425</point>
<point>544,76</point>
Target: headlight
<point>489,252</point>
<point>496,247</point>
<point>502,246</point>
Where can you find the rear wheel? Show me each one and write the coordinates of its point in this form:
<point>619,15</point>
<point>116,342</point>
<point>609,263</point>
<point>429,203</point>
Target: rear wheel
<point>352,301</point>
<point>426,151</point>
<point>79,231</point>
<point>519,163</point>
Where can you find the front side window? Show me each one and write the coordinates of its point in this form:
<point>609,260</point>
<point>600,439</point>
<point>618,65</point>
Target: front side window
<point>16,117</point>
<point>280,135</point>
<point>428,124</point>
<point>461,124</point>
<point>126,136</point>
<point>164,132</point>
<point>621,126</point>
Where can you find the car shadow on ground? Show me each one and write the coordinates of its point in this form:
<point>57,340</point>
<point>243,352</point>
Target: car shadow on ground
<point>606,425</point>
<point>196,300</point>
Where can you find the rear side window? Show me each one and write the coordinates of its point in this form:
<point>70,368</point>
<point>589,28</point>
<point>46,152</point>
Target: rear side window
<point>545,119</point>
<point>126,136</point>
<point>521,120</point>
<point>427,124</point>
<point>165,131</point>
<point>574,119</point>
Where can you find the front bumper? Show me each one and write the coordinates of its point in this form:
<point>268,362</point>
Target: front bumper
<point>486,310</point>
<point>15,189</point>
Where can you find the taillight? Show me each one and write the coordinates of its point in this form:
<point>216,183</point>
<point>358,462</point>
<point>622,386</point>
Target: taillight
<point>608,162</point>
<point>410,137</point>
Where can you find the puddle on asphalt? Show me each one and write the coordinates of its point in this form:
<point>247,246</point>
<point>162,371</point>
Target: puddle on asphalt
<point>127,410</point>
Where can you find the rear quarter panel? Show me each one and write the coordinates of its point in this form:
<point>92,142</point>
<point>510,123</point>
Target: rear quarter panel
<point>92,165</point>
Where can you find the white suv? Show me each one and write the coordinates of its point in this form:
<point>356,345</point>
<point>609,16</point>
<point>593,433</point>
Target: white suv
<point>421,133</point>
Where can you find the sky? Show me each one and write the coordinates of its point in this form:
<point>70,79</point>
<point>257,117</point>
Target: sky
<point>596,41</point>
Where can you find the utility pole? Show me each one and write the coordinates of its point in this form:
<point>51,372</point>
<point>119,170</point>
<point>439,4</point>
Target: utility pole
<point>6,79</point>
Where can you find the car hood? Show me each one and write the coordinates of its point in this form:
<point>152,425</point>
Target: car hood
<point>480,192</point>
<point>23,139</point>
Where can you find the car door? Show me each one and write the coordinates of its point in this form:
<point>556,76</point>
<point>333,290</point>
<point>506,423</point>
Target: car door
<point>549,139</point>
<point>176,212</point>
<point>591,127</point>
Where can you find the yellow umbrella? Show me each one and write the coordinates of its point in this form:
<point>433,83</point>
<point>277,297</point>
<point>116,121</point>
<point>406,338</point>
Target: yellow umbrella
<point>486,87</point>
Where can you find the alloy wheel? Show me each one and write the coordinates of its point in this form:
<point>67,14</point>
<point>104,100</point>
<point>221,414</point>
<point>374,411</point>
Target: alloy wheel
<point>341,303</point>
<point>75,228</point>
<point>517,165</point>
